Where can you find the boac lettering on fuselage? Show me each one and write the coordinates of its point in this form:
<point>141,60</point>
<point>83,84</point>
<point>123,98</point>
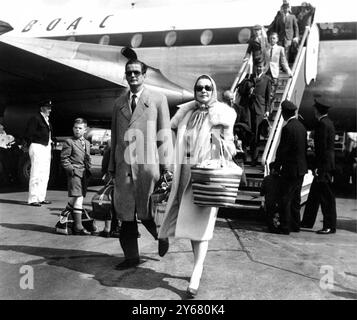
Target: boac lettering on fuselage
<point>72,26</point>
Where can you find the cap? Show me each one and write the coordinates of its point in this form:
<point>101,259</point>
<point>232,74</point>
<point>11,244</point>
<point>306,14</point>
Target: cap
<point>321,107</point>
<point>288,105</point>
<point>45,104</point>
<point>257,27</point>
<point>304,4</point>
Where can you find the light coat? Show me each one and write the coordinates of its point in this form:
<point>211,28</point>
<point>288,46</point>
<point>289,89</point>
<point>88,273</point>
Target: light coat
<point>137,156</point>
<point>277,58</point>
<point>188,220</point>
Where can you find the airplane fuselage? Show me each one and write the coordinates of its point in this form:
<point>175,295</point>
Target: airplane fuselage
<point>183,54</point>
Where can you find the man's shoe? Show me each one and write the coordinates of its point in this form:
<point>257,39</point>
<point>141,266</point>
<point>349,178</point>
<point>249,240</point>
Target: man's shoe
<point>128,263</point>
<point>104,234</point>
<point>82,232</point>
<point>115,233</point>
<point>326,231</point>
<point>191,293</point>
<point>163,246</point>
<point>35,204</point>
<point>46,202</point>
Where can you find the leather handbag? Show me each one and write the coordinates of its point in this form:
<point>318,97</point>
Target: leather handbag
<point>102,202</point>
<point>215,182</point>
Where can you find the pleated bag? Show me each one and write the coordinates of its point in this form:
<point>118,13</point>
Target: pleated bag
<point>215,182</point>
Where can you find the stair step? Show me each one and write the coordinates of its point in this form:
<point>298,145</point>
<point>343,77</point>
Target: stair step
<point>245,206</point>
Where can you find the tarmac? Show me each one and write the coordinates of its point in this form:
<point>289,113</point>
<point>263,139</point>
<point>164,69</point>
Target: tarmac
<point>244,261</point>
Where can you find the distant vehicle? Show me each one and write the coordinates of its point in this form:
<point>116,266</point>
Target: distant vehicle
<point>95,149</point>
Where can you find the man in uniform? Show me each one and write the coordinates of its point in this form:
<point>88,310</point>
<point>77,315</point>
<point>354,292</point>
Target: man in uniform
<point>291,164</point>
<point>321,188</point>
<point>38,134</point>
<point>141,151</point>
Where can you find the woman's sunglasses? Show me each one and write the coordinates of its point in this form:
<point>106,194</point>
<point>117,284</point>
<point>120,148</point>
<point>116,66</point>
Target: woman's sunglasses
<point>200,88</point>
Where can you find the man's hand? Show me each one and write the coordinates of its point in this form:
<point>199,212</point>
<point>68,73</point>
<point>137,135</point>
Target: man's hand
<point>167,175</point>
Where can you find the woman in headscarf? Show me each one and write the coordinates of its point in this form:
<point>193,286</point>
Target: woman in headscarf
<point>201,126</point>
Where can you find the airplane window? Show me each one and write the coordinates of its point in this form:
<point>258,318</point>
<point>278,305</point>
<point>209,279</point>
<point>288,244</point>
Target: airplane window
<point>136,40</point>
<point>104,40</point>
<point>206,37</point>
<point>244,35</point>
<point>71,39</point>
<point>170,38</point>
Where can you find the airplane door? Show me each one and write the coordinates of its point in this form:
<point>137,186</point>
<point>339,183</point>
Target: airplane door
<point>312,54</point>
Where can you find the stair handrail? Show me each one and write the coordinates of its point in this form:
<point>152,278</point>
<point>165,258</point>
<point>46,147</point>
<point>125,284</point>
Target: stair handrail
<point>278,121</point>
<point>242,73</point>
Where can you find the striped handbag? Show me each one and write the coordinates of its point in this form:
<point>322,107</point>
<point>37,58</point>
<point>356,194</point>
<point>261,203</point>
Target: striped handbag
<point>215,183</point>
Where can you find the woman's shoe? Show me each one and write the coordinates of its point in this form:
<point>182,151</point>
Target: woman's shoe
<point>82,232</point>
<point>104,234</point>
<point>191,293</point>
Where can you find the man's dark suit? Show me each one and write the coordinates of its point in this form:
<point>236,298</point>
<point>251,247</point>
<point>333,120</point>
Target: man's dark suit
<point>291,163</point>
<point>321,188</point>
<point>260,104</point>
<point>287,29</point>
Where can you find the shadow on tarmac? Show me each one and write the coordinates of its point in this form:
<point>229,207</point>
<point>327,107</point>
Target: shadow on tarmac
<point>101,266</point>
<point>28,226</point>
<point>23,203</point>
<point>347,224</point>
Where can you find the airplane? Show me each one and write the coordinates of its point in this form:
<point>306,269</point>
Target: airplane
<point>182,41</point>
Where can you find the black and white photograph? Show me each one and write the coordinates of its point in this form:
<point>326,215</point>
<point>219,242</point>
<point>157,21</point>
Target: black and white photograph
<point>178,154</point>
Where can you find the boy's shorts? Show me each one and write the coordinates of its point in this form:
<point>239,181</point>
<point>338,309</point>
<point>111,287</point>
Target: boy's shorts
<point>77,186</point>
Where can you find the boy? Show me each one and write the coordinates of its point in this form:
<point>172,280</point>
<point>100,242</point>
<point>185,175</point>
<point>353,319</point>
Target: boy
<point>75,159</point>
<point>270,189</point>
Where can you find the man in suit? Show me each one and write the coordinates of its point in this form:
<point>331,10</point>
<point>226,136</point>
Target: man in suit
<point>287,28</point>
<point>38,133</point>
<point>291,164</point>
<point>141,151</point>
<point>321,188</point>
<point>259,105</point>
<point>76,161</point>
<point>276,59</point>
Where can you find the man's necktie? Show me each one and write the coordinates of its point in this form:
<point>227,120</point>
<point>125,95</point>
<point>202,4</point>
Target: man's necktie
<point>271,52</point>
<point>83,144</point>
<point>133,103</point>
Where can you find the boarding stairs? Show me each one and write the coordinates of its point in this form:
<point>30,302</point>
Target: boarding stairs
<point>249,197</point>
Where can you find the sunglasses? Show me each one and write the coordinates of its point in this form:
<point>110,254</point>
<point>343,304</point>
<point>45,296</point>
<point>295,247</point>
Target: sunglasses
<point>136,73</point>
<point>200,88</point>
